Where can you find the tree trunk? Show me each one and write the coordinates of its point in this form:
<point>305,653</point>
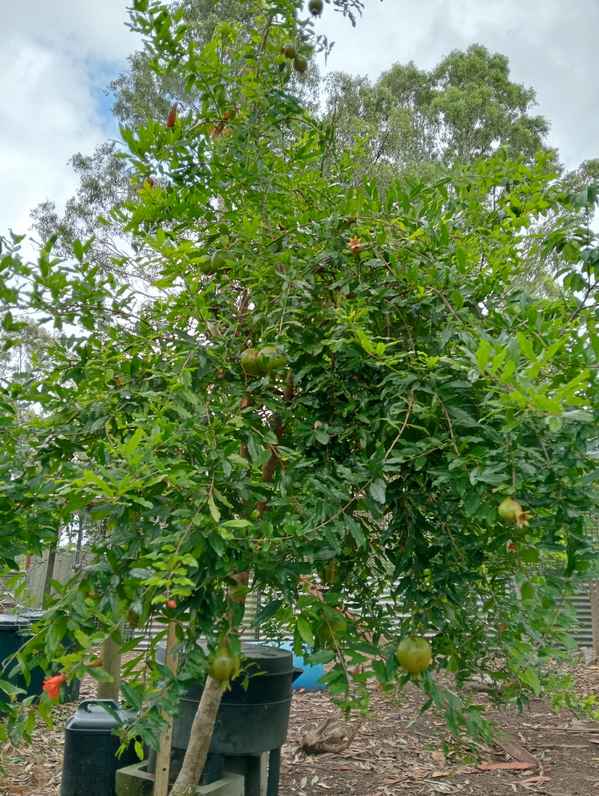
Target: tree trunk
<point>49,575</point>
<point>199,739</point>
<point>111,663</point>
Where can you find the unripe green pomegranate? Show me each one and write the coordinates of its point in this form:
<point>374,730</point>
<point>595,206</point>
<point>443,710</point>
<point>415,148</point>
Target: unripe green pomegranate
<point>512,512</point>
<point>300,64</point>
<point>250,362</point>
<point>224,667</point>
<point>218,260</point>
<point>414,654</point>
<point>272,358</point>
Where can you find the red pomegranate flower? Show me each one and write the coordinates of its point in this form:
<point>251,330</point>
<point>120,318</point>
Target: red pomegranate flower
<point>52,685</point>
<point>355,245</point>
<point>172,116</point>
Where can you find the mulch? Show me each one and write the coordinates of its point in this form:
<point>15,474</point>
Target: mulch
<point>395,751</point>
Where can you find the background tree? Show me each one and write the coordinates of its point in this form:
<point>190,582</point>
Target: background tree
<point>141,94</point>
<point>410,119</point>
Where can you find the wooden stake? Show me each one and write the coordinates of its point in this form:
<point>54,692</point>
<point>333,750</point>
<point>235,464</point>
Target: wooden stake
<point>163,758</point>
<point>595,617</point>
<point>111,663</point>
<point>49,575</point>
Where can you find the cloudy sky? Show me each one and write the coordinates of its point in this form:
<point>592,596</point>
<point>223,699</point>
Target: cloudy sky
<point>58,55</point>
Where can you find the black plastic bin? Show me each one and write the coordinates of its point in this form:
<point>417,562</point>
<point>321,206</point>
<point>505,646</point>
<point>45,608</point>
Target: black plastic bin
<point>14,632</point>
<point>250,720</point>
<point>90,762</point>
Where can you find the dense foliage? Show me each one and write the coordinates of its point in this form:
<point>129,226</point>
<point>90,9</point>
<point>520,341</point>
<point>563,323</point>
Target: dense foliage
<point>411,384</point>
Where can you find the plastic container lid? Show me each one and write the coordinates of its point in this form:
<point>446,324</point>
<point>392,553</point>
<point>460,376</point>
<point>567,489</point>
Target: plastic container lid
<point>270,660</point>
<point>13,622</point>
<point>98,715</point>
<point>32,614</point>
<point>257,657</point>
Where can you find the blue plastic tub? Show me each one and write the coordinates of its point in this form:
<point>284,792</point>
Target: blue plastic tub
<point>310,680</point>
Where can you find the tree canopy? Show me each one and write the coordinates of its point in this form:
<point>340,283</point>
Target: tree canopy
<point>465,108</point>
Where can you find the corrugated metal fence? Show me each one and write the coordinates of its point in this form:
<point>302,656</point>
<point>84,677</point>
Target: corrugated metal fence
<point>581,603</point>
<point>248,625</point>
<point>66,563</point>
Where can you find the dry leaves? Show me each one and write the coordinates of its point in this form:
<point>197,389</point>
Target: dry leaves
<point>395,752</point>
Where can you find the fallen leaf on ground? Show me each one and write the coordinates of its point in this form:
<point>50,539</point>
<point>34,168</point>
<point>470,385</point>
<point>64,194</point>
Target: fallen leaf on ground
<point>515,749</point>
<point>535,780</point>
<point>443,787</point>
<point>438,759</point>
<point>514,765</point>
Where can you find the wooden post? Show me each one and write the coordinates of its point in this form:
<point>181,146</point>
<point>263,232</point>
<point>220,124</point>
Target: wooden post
<point>49,575</point>
<point>77,563</point>
<point>163,758</point>
<point>594,594</point>
<point>111,663</point>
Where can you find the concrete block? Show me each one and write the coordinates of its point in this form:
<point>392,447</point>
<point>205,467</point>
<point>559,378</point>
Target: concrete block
<point>230,785</point>
<point>136,781</point>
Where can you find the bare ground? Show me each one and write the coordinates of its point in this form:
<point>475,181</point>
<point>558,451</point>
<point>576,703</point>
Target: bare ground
<point>396,751</point>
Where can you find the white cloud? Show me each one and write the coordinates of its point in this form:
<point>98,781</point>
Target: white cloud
<point>551,46</point>
<point>83,28</point>
<point>49,57</point>
<point>54,53</point>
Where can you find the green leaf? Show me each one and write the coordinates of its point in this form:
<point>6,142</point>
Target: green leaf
<point>526,347</point>
<point>268,611</point>
<point>322,656</point>
<point>56,633</point>
<point>529,554</point>
<point>139,750</point>
<point>237,459</point>
<point>305,630</point>
<point>357,533</point>
<point>527,591</point>
<point>214,511</point>
<point>322,436</point>
<point>133,695</point>
<point>83,639</point>
<point>78,250</point>
<point>462,418</point>
<point>11,689</point>
<point>132,443</point>
<point>554,423</point>
<point>378,490</point>
<point>483,354</point>
<point>380,671</point>
<point>531,678</point>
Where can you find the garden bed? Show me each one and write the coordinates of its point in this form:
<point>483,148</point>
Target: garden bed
<point>395,751</point>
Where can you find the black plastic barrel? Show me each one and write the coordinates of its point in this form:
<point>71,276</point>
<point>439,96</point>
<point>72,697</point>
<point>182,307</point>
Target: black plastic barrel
<point>90,762</point>
<point>14,631</point>
<point>250,720</point>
